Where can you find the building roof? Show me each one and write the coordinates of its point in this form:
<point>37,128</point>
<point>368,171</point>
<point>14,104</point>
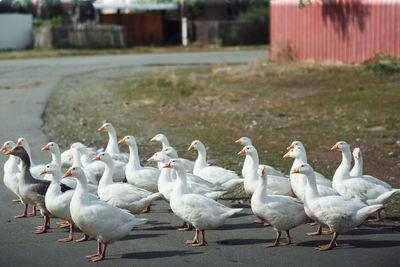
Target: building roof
<point>134,6</point>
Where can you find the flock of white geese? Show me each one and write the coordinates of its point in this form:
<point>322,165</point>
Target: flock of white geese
<point>101,191</point>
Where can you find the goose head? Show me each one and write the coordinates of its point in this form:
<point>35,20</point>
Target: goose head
<point>129,140</point>
<point>303,168</point>
<point>248,150</point>
<point>293,153</point>
<point>341,146</point>
<point>170,151</point>
<point>20,152</point>
<point>52,147</point>
<point>51,169</point>
<point>24,143</point>
<point>244,141</point>
<point>294,144</point>
<point>175,164</point>
<point>107,127</point>
<point>7,146</point>
<point>196,144</point>
<point>262,172</point>
<point>76,172</point>
<point>105,157</point>
<point>158,138</point>
<point>78,146</point>
<point>357,153</point>
<point>158,157</point>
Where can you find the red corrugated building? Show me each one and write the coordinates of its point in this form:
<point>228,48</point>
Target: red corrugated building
<point>336,30</point>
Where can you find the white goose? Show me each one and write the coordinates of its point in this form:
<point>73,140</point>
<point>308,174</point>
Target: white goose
<point>67,157</point>
<point>366,188</point>
<point>143,177</point>
<point>321,179</point>
<point>58,198</point>
<point>195,184</point>
<point>277,185</point>
<point>245,141</point>
<point>98,219</point>
<point>11,170</point>
<point>201,211</point>
<point>35,168</point>
<point>338,213</point>
<point>282,212</point>
<point>229,180</point>
<point>122,195</point>
<point>112,146</point>
<point>187,164</point>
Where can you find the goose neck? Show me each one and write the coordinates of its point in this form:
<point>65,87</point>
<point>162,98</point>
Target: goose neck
<point>358,167</point>
<point>342,172</point>
<point>76,158</point>
<point>134,156</point>
<point>201,158</point>
<point>112,145</point>
<point>180,183</point>
<point>81,192</point>
<point>311,187</point>
<point>297,161</point>
<point>106,178</point>
<point>56,157</point>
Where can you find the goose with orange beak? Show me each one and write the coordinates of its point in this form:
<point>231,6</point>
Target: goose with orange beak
<point>98,219</point>
<point>31,190</point>
<point>112,145</point>
<point>122,195</point>
<point>368,189</point>
<point>11,170</point>
<point>143,177</point>
<point>245,141</point>
<point>338,213</point>
<point>228,179</point>
<point>201,211</point>
<point>187,164</point>
<point>281,212</point>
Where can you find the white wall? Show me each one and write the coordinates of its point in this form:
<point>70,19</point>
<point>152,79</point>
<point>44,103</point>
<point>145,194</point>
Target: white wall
<point>15,31</point>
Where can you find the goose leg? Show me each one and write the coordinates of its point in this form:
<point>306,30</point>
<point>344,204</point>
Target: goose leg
<point>263,222</point>
<point>288,239</point>
<point>195,239</point>
<point>185,227</point>
<point>98,252</point>
<point>331,244</point>
<point>378,217</point>
<point>63,224</point>
<point>84,238</point>
<point>33,213</point>
<point>24,214</point>
<point>71,234</point>
<point>101,256</point>
<point>46,225</point>
<point>16,200</point>
<point>147,209</point>
<point>276,243</point>
<point>320,232</point>
<point>203,240</point>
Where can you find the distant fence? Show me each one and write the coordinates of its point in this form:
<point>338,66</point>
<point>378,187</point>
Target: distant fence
<point>338,30</point>
<point>230,32</point>
<point>89,36</point>
<point>15,31</point>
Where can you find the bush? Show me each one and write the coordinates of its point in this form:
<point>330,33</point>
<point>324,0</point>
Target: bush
<point>382,64</point>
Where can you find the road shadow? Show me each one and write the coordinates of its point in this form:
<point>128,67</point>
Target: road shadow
<point>162,228</point>
<point>236,226</point>
<point>159,254</point>
<point>239,242</point>
<point>359,243</point>
<point>140,236</point>
<point>369,231</point>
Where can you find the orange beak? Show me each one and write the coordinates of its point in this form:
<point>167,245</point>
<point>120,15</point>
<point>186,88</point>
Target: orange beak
<point>43,172</point>
<point>287,155</point>
<point>10,152</point>
<point>296,170</point>
<point>68,173</point>
<point>3,148</point>
<point>101,128</point>
<point>335,147</point>
<point>242,152</point>
<point>290,147</point>
<point>122,141</point>
<point>153,139</point>
<point>358,155</point>
<point>239,141</point>
<point>167,165</point>
<point>261,172</point>
<point>191,147</point>
<point>151,159</point>
<point>19,143</point>
<point>46,148</point>
<point>96,158</point>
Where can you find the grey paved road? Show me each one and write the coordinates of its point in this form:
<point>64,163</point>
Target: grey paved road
<point>25,86</point>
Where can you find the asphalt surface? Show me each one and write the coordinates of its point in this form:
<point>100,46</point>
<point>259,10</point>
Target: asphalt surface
<point>25,86</point>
